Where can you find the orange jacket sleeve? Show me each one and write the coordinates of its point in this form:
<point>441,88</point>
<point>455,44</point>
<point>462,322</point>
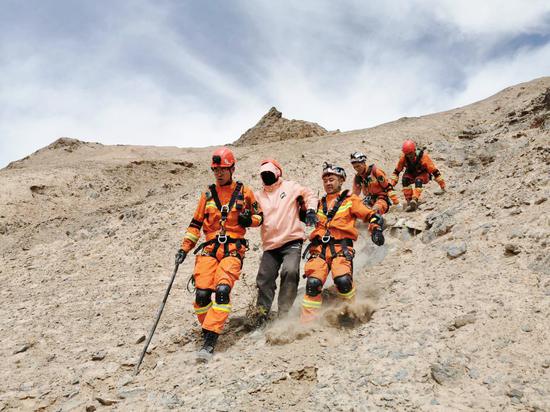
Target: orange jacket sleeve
<point>254,207</point>
<point>432,169</point>
<point>360,211</point>
<point>398,169</point>
<point>193,232</point>
<point>428,163</point>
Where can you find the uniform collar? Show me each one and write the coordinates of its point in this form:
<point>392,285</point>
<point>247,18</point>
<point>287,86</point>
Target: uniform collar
<point>274,186</point>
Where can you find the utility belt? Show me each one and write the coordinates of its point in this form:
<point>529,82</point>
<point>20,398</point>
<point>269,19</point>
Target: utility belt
<point>418,172</point>
<point>370,200</point>
<point>225,241</point>
<point>328,242</point>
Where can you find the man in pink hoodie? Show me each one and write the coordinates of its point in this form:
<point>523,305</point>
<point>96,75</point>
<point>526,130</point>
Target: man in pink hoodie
<point>285,204</point>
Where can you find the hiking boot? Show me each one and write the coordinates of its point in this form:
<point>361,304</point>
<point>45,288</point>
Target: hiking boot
<point>256,317</point>
<point>412,206</point>
<point>207,350</point>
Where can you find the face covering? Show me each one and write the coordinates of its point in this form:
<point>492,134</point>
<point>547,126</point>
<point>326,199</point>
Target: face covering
<point>268,178</point>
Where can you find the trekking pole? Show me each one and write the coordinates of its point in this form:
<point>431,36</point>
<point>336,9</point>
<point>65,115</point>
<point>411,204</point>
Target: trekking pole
<point>161,308</point>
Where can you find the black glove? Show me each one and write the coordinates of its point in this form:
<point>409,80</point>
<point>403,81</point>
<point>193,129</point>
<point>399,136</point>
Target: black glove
<point>311,218</point>
<point>377,237</point>
<point>245,219</point>
<point>367,201</point>
<point>180,256</point>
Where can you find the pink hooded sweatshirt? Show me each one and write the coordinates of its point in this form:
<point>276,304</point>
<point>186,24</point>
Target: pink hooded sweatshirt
<point>279,203</point>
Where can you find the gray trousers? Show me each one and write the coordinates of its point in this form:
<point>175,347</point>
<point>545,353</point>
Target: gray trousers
<point>287,259</point>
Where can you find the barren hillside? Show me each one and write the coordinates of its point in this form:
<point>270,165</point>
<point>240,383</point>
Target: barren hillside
<point>461,289</point>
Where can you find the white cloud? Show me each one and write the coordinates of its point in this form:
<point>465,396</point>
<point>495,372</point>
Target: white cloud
<point>344,67</point>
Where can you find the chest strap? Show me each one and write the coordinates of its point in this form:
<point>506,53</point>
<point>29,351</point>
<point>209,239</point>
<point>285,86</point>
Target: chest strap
<point>225,209</point>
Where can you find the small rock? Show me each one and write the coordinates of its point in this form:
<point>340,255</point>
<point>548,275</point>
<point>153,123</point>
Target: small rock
<point>27,386</point>
<point>140,339</point>
<point>125,380</point>
<point>90,408</point>
<point>401,374</point>
<point>456,250</point>
<point>23,348</point>
<point>464,320</point>
<point>445,372</point>
<point>99,356</point>
<point>106,402</point>
<point>541,200</point>
<point>527,328</point>
<point>489,380</point>
<point>546,364</point>
<point>511,249</point>
<point>125,393</point>
<point>171,401</point>
<point>473,373</point>
<point>515,393</point>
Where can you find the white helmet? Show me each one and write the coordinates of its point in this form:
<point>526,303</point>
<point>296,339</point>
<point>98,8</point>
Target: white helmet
<point>329,169</point>
<point>357,157</point>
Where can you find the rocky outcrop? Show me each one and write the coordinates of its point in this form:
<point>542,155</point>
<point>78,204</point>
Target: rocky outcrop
<point>273,127</point>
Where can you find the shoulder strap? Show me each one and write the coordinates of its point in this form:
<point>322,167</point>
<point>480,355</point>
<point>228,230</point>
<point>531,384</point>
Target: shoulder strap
<point>236,192</point>
<point>419,155</point>
<point>215,196</point>
<point>336,206</point>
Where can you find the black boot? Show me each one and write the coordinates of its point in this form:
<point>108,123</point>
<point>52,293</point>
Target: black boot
<point>207,350</point>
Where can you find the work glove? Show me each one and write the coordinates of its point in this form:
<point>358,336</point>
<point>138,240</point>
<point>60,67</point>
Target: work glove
<point>311,218</point>
<point>180,256</point>
<point>245,219</point>
<point>367,201</point>
<point>377,237</point>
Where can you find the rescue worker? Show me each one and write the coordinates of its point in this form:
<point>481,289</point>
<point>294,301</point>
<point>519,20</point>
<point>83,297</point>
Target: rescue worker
<point>331,247</point>
<point>225,210</point>
<point>419,169</point>
<point>372,182</point>
<point>282,236</point>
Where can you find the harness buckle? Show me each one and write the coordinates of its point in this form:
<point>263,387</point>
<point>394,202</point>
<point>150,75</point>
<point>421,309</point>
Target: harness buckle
<point>325,239</point>
<point>222,239</point>
<point>224,209</point>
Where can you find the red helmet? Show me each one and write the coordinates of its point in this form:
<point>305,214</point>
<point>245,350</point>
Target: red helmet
<point>409,147</point>
<point>223,157</point>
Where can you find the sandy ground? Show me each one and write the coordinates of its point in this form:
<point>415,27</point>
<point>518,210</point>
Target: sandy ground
<point>460,292</point>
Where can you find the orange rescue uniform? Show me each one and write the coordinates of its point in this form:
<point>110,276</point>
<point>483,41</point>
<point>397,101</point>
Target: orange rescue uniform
<point>219,263</point>
<point>337,254</point>
<point>418,171</point>
<point>377,189</point>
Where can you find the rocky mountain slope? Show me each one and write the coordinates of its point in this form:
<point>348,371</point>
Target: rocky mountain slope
<point>273,127</point>
<point>460,291</point>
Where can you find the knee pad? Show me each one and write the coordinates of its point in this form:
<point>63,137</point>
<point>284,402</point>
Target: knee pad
<point>222,294</point>
<point>313,286</point>
<point>406,181</point>
<point>418,182</point>
<point>343,283</point>
<point>203,297</point>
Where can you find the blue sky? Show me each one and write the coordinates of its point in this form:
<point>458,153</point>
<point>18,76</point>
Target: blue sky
<point>198,73</point>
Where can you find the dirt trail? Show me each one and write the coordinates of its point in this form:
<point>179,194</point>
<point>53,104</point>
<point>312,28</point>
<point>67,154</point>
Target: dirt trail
<point>460,291</point>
